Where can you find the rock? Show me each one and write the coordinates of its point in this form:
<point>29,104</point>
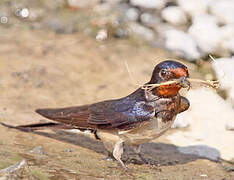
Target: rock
<point>223,10</point>
<point>192,7</point>
<point>68,150</point>
<point>174,15</point>
<point>132,14</point>
<point>121,33</point>
<point>227,33</point>
<point>181,44</point>
<point>149,19</point>
<point>206,33</point>
<point>202,19</point>
<point>38,150</point>
<point>17,171</point>
<point>141,31</point>
<point>223,68</point>
<point>208,116</point>
<point>102,35</point>
<point>24,13</point>
<point>150,4</point>
<point>161,28</point>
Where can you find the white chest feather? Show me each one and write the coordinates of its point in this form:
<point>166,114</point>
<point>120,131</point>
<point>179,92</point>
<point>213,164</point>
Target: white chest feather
<point>146,131</point>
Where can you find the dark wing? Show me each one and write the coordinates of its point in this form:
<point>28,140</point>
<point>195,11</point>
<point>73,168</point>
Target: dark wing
<point>120,114</point>
<point>103,115</point>
<point>74,116</point>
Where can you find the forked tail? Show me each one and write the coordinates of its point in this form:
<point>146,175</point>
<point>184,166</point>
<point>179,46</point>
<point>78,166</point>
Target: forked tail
<point>38,126</point>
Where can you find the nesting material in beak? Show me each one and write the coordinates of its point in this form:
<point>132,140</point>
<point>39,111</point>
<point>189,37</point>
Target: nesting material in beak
<point>185,83</point>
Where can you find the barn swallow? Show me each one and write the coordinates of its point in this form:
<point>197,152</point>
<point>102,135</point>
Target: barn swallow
<point>137,118</point>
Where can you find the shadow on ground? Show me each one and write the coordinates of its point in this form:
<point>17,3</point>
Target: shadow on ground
<point>159,154</point>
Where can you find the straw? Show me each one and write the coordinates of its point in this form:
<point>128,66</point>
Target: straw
<point>208,83</point>
<point>148,87</point>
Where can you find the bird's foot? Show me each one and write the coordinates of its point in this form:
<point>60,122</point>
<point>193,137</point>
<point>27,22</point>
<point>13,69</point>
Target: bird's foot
<point>138,160</point>
<point>143,160</point>
<point>109,157</point>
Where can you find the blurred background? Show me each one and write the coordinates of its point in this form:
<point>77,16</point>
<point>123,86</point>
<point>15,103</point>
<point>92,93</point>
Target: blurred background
<point>71,52</point>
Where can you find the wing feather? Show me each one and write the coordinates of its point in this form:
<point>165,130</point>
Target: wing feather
<point>103,115</point>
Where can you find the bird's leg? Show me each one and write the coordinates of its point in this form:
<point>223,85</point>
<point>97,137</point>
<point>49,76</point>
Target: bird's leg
<point>137,149</point>
<point>109,147</point>
<point>110,156</point>
<point>117,153</point>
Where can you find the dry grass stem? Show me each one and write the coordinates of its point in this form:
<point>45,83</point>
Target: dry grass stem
<point>208,83</point>
<point>148,87</point>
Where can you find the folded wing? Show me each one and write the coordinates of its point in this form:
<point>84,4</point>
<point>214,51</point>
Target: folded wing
<point>103,115</point>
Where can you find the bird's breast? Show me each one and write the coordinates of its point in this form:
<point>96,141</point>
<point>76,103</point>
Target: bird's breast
<point>146,131</point>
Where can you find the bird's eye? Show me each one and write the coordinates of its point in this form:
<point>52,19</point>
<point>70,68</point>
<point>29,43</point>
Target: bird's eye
<point>163,73</point>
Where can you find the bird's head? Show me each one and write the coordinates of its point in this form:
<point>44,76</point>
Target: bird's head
<point>167,71</point>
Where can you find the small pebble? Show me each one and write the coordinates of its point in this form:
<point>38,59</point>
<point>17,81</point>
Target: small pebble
<point>102,35</point>
<point>38,150</point>
<point>68,150</point>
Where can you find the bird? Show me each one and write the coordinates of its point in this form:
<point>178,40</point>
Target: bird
<point>140,117</point>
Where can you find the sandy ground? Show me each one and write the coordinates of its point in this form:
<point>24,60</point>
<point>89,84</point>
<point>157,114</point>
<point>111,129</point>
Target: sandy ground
<point>41,69</point>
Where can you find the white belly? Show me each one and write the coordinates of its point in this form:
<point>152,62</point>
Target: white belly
<point>145,132</point>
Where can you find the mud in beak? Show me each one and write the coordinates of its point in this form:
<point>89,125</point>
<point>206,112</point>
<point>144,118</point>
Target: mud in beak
<point>184,82</point>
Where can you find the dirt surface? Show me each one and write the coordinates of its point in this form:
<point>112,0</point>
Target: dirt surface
<point>41,69</point>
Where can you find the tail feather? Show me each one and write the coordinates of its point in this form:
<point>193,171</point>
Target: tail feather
<point>49,125</point>
<point>39,126</point>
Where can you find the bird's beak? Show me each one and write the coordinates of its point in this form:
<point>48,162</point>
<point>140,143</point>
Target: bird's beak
<point>185,83</point>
